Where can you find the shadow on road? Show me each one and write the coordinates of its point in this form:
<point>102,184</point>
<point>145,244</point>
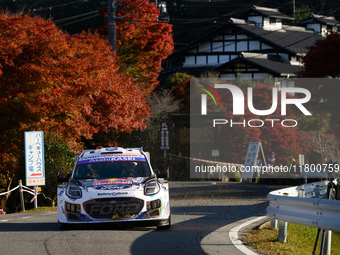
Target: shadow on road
<point>197,210</point>
<point>22,227</point>
<point>195,223</point>
<point>201,208</point>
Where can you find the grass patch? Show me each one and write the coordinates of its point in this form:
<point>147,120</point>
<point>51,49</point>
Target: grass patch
<point>41,209</point>
<point>300,240</point>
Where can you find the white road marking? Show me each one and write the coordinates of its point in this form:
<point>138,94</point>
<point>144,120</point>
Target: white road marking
<point>233,235</point>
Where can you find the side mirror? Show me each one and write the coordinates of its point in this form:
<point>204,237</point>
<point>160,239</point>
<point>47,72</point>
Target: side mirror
<point>160,175</point>
<point>61,180</point>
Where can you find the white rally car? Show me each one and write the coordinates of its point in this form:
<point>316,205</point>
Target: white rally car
<point>112,185</point>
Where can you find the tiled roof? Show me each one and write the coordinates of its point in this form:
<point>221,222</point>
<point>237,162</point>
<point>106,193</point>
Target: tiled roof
<point>269,12</point>
<point>324,19</point>
<point>261,60</point>
<point>289,38</point>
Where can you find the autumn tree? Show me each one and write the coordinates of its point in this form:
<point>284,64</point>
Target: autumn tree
<point>323,61</point>
<point>67,86</point>
<point>323,58</point>
<point>179,84</point>
<point>142,41</point>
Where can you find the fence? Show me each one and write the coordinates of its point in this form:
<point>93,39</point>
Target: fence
<point>34,192</point>
<point>222,175</point>
<point>309,211</point>
<point>304,205</point>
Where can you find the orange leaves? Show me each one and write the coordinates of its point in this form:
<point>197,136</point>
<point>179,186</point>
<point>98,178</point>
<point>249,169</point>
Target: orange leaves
<point>142,42</point>
<point>322,59</point>
<point>68,85</point>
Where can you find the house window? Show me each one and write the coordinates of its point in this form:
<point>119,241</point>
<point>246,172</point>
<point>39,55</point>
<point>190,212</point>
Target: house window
<point>272,20</point>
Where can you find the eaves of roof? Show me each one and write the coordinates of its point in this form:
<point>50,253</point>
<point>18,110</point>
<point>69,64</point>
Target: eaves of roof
<point>277,68</point>
<point>269,12</point>
<point>324,20</point>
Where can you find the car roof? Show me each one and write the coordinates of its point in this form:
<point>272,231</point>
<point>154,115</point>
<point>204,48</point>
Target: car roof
<point>104,152</point>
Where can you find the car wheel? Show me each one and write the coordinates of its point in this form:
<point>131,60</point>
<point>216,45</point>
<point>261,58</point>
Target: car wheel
<point>63,226</point>
<point>165,224</point>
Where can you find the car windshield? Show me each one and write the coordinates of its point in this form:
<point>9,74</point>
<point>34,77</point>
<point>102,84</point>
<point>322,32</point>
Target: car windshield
<point>115,169</point>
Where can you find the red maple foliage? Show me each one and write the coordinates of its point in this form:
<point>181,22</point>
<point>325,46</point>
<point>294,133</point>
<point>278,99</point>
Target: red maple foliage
<point>323,58</point>
<point>323,61</point>
<point>69,86</point>
<point>142,41</point>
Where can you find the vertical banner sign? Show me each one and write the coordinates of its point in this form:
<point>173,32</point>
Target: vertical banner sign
<point>164,137</point>
<point>253,150</point>
<point>34,157</point>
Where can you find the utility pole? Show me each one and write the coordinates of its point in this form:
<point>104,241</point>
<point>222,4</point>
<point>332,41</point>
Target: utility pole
<point>111,16</point>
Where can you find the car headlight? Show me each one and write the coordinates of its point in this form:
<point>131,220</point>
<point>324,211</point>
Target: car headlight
<point>73,191</point>
<point>151,188</point>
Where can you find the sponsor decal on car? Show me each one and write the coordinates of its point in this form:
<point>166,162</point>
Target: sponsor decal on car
<point>112,187</point>
<point>112,194</point>
<point>110,159</point>
<point>112,181</point>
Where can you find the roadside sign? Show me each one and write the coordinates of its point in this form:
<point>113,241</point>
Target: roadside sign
<point>301,159</point>
<point>215,153</point>
<point>34,158</point>
<point>164,137</point>
<point>250,163</point>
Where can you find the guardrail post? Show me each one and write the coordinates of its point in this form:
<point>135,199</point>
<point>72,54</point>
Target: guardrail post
<point>22,203</point>
<point>326,242</point>
<point>36,197</point>
<point>273,223</point>
<point>317,191</point>
<point>282,237</point>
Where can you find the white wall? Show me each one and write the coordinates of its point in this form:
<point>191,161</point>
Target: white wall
<point>257,20</point>
<point>315,27</point>
<point>273,26</point>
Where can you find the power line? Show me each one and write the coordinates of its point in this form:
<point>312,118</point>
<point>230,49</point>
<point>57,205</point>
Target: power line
<point>73,17</point>
<point>121,17</point>
<point>76,21</point>
<point>56,6</point>
<point>112,17</point>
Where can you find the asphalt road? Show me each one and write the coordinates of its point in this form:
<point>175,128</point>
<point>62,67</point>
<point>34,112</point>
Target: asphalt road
<point>197,210</point>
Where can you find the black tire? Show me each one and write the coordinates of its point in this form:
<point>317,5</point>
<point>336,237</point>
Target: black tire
<point>166,225</point>
<point>63,226</point>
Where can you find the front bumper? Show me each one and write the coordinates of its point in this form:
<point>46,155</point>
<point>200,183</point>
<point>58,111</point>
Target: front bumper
<point>116,209</point>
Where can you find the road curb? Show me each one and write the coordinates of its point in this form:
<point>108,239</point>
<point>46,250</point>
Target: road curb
<point>225,240</point>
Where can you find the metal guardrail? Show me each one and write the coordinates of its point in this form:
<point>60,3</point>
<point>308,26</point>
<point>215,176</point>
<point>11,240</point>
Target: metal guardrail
<point>317,212</point>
